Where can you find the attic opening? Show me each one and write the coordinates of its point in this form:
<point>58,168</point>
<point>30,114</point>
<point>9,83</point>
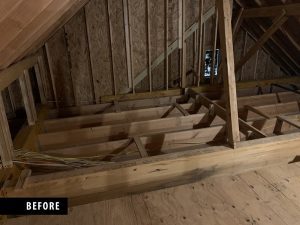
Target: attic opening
<point>209,62</point>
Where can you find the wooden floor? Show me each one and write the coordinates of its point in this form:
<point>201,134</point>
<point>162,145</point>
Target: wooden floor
<point>267,196</point>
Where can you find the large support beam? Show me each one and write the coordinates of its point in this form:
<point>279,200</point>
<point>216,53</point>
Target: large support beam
<point>6,146</point>
<point>111,180</point>
<point>272,11</point>
<point>225,15</point>
<point>281,19</point>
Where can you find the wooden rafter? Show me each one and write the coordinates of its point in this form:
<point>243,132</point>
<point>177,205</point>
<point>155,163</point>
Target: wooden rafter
<point>280,19</point>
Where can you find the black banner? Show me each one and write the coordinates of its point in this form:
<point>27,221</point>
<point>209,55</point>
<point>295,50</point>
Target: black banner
<point>33,206</point>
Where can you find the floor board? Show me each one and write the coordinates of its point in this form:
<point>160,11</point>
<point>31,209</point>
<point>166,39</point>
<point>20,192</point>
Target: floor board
<point>266,196</point>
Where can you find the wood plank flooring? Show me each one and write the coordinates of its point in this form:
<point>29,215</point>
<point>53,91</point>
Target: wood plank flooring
<point>266,196</point>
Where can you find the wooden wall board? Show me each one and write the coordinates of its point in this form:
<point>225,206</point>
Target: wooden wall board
<point>118,44</point>
<point>157,38</point>
<point>139,39</point>
<point>98,37</point>
<point>79,59</point>
<point>58,59</point>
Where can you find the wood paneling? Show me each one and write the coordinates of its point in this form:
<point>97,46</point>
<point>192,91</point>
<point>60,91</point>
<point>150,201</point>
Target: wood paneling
<point>28,23</point>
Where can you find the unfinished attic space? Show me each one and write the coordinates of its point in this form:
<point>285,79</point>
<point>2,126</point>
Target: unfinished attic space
<point>147,112</point>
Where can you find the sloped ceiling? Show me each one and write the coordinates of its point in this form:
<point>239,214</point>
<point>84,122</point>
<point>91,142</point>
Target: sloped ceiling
<point>26,24</point>
<point>284,46</point>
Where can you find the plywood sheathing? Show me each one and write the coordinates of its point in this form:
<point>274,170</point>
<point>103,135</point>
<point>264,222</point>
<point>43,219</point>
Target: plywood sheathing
<point>79,59</point>
<point>58,59</point>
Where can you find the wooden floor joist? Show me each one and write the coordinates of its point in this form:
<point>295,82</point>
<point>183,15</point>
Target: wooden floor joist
<point>107,181</point>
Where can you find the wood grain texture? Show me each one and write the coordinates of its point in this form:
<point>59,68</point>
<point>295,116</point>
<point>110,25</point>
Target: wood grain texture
<point>118,44</point>
<point>98,34</point>
<point>79,57</point>
<point>264,196</point>
<point>58,60</point>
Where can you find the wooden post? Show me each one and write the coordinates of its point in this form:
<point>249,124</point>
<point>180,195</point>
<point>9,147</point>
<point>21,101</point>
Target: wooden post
<point>111,48</point>
<point>130,44</point>
<point>127,40</point>
<point>167,44</point>
<point>215,36</point>
<point>6,144</point>
<point>183,59</point>
<point>40,83</point>
<point>149,44</point>
<point>28,99</point>
<point>224,9</point>
<point>200,24</point>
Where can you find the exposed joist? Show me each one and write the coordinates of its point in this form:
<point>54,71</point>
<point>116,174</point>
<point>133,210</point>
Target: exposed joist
<point>12,73</point>
<point>134,115</point>
<point>222,113</point>
<point>257,111</point>
<point>116,131</point>
<point>140,146</point>
<point>107,181</point>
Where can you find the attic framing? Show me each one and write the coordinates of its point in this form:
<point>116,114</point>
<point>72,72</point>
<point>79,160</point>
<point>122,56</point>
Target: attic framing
<point>138,142</point>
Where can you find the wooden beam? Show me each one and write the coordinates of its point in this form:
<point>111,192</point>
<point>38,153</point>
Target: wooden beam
<point>272,11</point>
<point>160,143</point>
<point>215,39</point>
<point>287,120</point>
<point>134,115</point>
<point>140,146</point>
<point>12,73</point>
<point>50,63</point>
<point>238,23</point>
<point>108,181</point>
<point>6,145</point>
<point>117,131</point>
<point>40,83</point>
<point>223,114</point>
<point>200,36</point>
<point>149,62</point>
<point>111,47</point>
<point>28,99</point>
<point>110,118</point>
<point>127,41</point>
<point>167,43</point>
<point>257,111</point>
<point>224,9</point>
<point>181,109</point>
<point>281,19</point>
<point>183,55</point>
